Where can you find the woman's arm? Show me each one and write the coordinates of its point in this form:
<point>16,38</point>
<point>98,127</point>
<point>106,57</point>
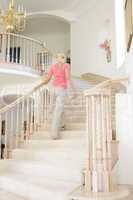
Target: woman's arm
<point>46,79</point>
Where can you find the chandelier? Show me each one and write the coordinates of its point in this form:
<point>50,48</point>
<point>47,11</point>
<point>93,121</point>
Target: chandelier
<point>13,20</point>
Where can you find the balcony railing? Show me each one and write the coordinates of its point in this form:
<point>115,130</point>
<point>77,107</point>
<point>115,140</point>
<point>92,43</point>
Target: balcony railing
<point>21,50</point>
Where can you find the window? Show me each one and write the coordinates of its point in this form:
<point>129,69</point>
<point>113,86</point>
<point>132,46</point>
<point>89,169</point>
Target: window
<point>128,23</point>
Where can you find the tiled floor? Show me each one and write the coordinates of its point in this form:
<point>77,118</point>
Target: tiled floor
<point>79,194</point>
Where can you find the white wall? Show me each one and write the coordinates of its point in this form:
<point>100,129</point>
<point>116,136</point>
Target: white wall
<point>120,32</point>
<point>54,32</point>
<point>87,34</point>
<point>124,122</point>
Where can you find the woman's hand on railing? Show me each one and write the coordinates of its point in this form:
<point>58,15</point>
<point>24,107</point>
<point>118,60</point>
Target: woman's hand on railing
<point>38,86</point>
<point>43,82</point>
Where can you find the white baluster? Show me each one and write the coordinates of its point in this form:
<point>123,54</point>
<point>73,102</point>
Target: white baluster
<point>23,61</point>
<point>45,103</point>
<point>17,125</point>
<point>31,53</point>
<point>13,46</point>
<point>3,47</point>
<point>88,176</point>
<point>31,115</point>
<point>6,135</point>
<point>12,134</point>
<point>42,107</point>
<point>22,120</point>
<point>27,120</point>
<point>99,143</point>
<point>8,48</point>
<point>36,111</point>
<point>16,48</point>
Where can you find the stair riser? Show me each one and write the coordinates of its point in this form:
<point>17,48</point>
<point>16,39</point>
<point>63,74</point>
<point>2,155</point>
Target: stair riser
<point>5,195</point>
<point>24,190</point>
<point>65,135</point>
<point>78,102</point>
<point>3,166</point>
<point>68,127</point>
<point>77,108</point>
<point>81,113</point>
<point>73,119</point>
<point>63,159</point>
<point>44,146</point>
<point>63,174</point>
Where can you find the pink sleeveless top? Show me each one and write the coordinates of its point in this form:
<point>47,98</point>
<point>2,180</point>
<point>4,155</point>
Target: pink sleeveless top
<point>59,74</point>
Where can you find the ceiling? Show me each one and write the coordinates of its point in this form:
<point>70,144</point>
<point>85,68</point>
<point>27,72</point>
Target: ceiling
<point>73,7</point>
<point>44,5</point>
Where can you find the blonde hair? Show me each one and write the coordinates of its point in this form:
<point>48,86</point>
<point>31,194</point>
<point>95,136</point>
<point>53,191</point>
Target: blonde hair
<point>60,55</point>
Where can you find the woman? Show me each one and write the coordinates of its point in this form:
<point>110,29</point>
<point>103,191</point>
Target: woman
<point>62,78</point>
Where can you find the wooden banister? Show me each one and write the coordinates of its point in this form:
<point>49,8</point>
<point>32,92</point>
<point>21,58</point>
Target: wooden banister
<point>105,84</point>
<point>100,124</point>
<point>23,37</point>
<point>22,118</point>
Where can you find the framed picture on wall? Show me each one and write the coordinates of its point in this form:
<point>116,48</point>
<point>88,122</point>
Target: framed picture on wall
<point>128,23</point>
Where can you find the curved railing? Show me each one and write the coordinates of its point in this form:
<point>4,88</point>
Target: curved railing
<point>102,141</point>
<point>22,50</point>
<point>20,119</point>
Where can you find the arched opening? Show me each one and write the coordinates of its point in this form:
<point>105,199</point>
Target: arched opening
<point>54,31</point>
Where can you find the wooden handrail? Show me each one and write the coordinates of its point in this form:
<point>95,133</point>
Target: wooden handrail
<point>20,99</point>
<point>23,37</point>
<point>23,117</point>
<point>104,84</point>
<point>25,51</point>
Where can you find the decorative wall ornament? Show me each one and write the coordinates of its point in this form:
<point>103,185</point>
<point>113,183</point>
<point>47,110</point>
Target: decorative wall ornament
<point>106,45</point>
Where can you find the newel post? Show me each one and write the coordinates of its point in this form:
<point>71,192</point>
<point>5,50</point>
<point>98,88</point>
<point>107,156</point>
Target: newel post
<point>98,176</point>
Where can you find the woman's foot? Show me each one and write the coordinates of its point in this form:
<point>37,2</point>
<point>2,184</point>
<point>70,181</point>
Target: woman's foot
<point>63,127</point>
<point>56,138</point>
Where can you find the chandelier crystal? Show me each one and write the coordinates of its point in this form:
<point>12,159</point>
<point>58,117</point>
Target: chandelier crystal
<point>13,20</point>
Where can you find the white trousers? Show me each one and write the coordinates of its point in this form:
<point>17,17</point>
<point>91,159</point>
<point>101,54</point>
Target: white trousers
<point>59,95</point>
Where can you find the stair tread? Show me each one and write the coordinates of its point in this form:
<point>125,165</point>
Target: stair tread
<point>45,187</point>
<point>37,180</point>
<point>34,163</point>
<point>4,195</point>
<point>58,158</point>
<point>66,135</point>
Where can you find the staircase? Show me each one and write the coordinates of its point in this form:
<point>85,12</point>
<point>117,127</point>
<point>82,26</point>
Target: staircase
<point>47,169</point>
<point>36,167</point>
<point>42,168</point>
